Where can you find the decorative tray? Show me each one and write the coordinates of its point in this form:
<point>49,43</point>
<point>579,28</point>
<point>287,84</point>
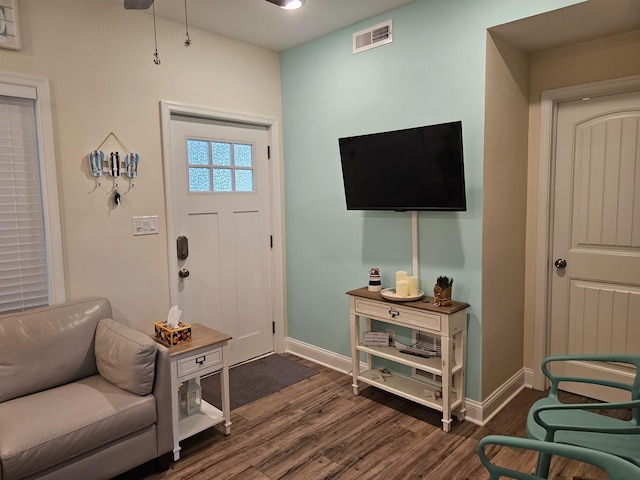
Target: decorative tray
<point>390,294</point>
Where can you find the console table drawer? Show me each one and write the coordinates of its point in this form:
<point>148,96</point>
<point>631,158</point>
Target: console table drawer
<point>200,364</point>
<point>396,313</point>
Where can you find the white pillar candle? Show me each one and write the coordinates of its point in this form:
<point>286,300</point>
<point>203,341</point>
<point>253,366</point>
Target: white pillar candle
<point>413,285</point>
<point>402,288</point>
<point>401,275</point>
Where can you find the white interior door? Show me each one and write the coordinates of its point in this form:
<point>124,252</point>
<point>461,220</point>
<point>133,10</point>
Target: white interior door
<point>221,205</point>
<point>595,298</point>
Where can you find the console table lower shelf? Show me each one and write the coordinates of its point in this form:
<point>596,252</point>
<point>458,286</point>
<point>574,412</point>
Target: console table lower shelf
<point>437,382</point>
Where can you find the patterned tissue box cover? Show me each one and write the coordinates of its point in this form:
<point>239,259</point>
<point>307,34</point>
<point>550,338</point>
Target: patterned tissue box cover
<point>173,336</point>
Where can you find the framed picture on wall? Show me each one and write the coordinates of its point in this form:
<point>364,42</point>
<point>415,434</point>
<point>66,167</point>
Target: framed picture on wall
<point>9,31</point>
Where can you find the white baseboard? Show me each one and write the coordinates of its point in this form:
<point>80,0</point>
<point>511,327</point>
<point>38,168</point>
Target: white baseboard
<point>478,413</point>
<point>528,377</point>
<point>481,413</point>
<point>319,355</point>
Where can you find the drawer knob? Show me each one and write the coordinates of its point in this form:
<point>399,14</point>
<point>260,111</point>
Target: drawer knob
<point>201,360</point>
<point>394,313</point>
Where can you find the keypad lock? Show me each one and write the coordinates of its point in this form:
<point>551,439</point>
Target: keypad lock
<point>182,246</point>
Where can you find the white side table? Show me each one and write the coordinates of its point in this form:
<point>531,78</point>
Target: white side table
<point>202,356</point>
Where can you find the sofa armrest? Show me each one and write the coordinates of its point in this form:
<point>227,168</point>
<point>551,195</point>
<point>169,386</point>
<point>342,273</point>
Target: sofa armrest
<point>162,392</point>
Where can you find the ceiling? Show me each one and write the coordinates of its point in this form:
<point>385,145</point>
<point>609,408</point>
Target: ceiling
<point>577,23</point>
<point>261,23</point>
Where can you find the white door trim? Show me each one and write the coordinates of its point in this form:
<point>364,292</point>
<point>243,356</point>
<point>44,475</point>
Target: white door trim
<point>275,184</point>
<point>544,230</point>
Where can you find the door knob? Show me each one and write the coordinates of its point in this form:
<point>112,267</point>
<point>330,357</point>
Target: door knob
<point>560,263</point>
<point>183,273</point>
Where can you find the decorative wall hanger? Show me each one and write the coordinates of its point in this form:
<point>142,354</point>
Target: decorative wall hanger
<point>114,165</point>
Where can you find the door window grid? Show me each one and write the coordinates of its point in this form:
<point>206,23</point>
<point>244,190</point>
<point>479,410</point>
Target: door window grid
<point>220,166</point>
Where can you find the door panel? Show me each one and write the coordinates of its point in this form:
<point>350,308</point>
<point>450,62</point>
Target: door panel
<point>596,229</point>
<point>221,203</point>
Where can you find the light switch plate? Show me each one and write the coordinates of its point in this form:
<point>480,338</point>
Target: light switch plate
<point>147,225</point>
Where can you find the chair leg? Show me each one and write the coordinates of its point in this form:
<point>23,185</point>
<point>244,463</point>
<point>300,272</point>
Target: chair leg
<point>544,463</point>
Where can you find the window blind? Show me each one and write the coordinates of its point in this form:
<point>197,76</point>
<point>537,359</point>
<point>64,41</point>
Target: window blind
<point>23,263</point>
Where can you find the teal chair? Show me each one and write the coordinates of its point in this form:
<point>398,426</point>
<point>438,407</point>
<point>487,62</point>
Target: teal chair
<point>615,467</point>
<point>572,424</point>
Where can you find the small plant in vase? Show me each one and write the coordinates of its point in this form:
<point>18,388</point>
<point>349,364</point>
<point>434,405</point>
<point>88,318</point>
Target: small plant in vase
<point>442,291</point>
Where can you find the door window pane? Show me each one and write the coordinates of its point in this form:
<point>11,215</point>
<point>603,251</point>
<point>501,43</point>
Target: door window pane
<point>242,155</point>
<point>244,180</point>
<point>199,180</point>
<point>221,154</point>
<point>198,152</point>
<point>222,180</point>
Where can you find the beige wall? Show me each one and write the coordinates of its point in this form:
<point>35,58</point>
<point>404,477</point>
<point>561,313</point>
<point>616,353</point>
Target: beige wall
<point>604,59</point>
<point>98,58</point>
<point>503,215</point>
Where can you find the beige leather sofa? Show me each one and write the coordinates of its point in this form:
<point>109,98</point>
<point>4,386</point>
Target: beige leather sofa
<point>81,396</point>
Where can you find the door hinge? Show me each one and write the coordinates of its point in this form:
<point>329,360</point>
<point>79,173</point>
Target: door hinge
<point>271,240</point>
<point>268,152</point>
<point>273,327</point>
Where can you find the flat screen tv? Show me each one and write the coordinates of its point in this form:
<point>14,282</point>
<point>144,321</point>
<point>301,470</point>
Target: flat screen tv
<point>417,168</point>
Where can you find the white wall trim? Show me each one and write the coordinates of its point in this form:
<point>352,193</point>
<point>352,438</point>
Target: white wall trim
<point>548,111</point>
<point>49,179</point>
<point>168,108</point>
<point>478,413</point>
<point>319,355</point>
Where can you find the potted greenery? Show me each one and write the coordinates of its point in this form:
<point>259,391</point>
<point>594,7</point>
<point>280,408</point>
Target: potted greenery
<point>442,291</point>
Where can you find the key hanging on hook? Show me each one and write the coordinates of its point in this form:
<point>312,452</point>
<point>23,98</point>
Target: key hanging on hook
<point>117,198</point>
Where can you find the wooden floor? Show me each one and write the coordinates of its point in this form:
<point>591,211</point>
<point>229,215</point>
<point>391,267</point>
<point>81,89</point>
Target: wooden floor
<point>317,429</point>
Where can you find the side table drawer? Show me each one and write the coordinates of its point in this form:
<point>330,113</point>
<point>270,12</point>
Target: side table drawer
<point>204,362</point>
<point>396,313</point>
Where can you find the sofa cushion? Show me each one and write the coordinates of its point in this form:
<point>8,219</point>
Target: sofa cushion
<point>46,428</point>
<point>49,346</point>
<point>125,357</point>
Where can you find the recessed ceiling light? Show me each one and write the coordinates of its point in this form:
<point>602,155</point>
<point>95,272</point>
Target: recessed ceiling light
<point>288,4</point>
<point>292,4</point>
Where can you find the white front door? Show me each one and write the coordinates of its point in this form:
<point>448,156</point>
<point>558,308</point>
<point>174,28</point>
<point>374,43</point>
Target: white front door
<point>220,178</point>
<point>595,285</point>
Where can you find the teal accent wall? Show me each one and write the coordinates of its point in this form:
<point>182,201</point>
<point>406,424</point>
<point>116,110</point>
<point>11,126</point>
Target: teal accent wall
<point>433,72</point>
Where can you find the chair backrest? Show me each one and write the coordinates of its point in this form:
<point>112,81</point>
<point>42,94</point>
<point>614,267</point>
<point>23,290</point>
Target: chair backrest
<point>615,467</point>
<point>633,387</point>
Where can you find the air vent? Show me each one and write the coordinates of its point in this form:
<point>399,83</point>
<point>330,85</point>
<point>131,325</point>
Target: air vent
<point>375,36</point>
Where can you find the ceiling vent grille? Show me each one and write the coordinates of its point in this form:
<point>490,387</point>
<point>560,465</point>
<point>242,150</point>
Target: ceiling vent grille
<point>372,37</point>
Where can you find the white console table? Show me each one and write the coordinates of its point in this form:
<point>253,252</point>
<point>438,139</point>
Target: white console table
<point>449,324</point>
<point>202,356</point>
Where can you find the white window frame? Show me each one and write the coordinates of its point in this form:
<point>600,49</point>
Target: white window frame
<point>11,85</point>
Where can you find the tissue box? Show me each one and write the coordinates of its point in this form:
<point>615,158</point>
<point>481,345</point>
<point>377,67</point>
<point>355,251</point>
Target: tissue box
<point>173,336</point>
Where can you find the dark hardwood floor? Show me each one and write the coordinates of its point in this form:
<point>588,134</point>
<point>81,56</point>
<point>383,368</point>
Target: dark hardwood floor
<point>317,429</point>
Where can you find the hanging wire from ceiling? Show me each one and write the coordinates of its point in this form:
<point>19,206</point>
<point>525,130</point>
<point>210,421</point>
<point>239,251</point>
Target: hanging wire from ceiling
<point>156,57</point>
<point>187,41</point>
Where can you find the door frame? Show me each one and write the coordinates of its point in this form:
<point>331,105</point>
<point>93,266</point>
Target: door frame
<point>544,222</point>
<point>168,108</point>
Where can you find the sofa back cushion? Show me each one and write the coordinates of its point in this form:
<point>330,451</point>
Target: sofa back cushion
<point>125,357</point>
<point>49,346</point>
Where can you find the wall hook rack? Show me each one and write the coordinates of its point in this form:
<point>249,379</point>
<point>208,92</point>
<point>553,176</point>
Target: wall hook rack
<point>114,165</point>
